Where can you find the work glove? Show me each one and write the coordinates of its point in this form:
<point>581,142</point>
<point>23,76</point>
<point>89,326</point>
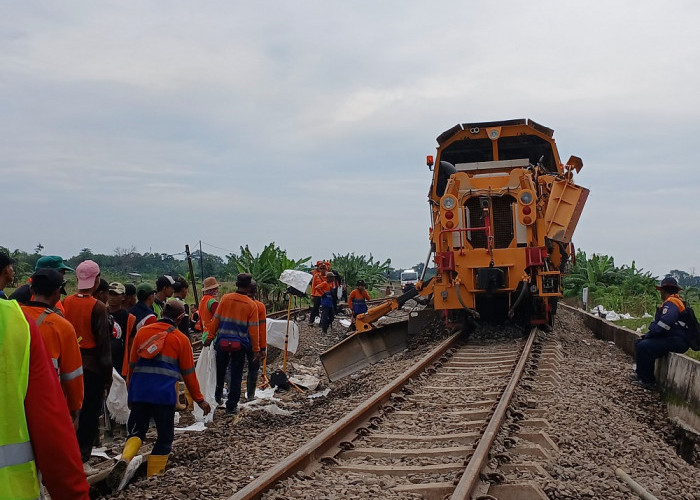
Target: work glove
<point>257,356</point>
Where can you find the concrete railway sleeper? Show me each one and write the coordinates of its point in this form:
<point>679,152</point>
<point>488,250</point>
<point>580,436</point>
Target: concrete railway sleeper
<point>428,434</point>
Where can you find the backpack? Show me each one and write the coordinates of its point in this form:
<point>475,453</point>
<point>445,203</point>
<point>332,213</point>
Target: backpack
<point>152,347</point>
<point>692,327</point>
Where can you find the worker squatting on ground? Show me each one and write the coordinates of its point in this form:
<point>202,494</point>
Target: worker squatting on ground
<point>89,318</point>
<point>36,432</point>
<point>235,327</point>
<point>667,333</point>
<point>154,368</point>
<point>58,334</point>
<point>253,364</point>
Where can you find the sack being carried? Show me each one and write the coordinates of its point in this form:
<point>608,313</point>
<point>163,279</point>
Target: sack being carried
<point>117,400</point>
<point>206,375</point>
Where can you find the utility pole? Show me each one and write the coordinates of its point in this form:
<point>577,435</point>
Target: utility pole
<point>194,281</point>
<point>201,264</point>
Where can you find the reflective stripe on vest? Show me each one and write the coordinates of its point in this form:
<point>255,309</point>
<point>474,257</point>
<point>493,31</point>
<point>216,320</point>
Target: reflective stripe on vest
<point>359,306</point>
<point>71,375</point>
<point>160,365</point>
<point>18,476</point>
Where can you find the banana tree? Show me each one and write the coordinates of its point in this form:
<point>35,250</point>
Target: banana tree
<point>266,268</point>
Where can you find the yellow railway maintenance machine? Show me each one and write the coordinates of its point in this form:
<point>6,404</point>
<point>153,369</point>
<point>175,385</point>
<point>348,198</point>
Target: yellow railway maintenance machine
<point>503,209</point>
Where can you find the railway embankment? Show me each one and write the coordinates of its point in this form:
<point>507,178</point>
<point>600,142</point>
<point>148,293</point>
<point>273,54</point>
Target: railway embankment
<point>677,374</point>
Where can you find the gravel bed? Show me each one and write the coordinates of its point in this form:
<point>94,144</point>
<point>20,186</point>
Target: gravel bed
<point>598,419</point>
<point>216,463</point>
<point>337,485</point>
<point>601,421</point>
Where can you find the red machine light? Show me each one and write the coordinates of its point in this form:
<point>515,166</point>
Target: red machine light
<point>527,210</point>
<point>449,224</point>
<point>449,215</point>
<point>527,220</point>
<point>429,160</point>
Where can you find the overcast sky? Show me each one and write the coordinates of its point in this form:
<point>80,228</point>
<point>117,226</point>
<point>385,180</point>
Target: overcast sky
<point>307,123</point>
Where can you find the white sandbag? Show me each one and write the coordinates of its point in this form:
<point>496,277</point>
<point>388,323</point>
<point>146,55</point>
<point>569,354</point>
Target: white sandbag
<point>612,316</point>
<point>296,279</point>
<point>206,375</point>
<point>276,329</point>
<point>308,381</point>
<point>117,399</point>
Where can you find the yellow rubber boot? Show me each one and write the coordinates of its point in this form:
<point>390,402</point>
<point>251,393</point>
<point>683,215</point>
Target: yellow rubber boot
<point>156,465</point>
<point>131,448</point>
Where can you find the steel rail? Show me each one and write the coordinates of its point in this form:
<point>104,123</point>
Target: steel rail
<point>471,474</point>
<point>336,433</point>
<point>283,314</point>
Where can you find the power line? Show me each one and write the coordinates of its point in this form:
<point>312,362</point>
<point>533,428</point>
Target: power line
<point>218,248</point>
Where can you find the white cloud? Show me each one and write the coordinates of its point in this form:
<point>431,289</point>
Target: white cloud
<point>307,123</point>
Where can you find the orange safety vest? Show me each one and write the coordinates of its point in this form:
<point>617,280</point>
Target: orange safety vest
<point>205,314</point>
<point>79,312</point>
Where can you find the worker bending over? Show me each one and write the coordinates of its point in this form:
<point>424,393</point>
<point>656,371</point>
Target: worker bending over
<point>160,354</point>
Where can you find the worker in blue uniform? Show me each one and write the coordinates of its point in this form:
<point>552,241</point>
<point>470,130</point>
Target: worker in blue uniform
<point>667,333</point>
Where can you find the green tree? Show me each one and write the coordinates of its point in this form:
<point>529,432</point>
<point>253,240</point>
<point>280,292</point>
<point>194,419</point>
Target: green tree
<point>623,289</point>
<point>266,268</point>
<point>353,267</point>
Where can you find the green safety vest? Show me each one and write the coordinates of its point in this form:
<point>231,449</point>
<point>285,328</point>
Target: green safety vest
<point>157,310</point>
<point>18,477</point>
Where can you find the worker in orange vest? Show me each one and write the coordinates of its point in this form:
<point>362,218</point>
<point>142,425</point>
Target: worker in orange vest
<point>89,318</point>
<point>317,276</point>
<point>235,328</point>
<point>58,334</point>
<point>23,294</point>
<point>160,355</point>
<point>208,304</point>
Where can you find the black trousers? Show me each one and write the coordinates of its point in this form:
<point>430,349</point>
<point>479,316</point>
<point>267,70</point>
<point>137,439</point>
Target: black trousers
<point>237,360</point>
<point>326,317</point>
<point>162,415</point>
<point>89,420</point>
<point>315,306</point>
<point>648,350</point>
<point>253,370</point>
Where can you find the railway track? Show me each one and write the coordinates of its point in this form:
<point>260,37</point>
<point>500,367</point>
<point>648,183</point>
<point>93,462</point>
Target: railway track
<point>430,433</point>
